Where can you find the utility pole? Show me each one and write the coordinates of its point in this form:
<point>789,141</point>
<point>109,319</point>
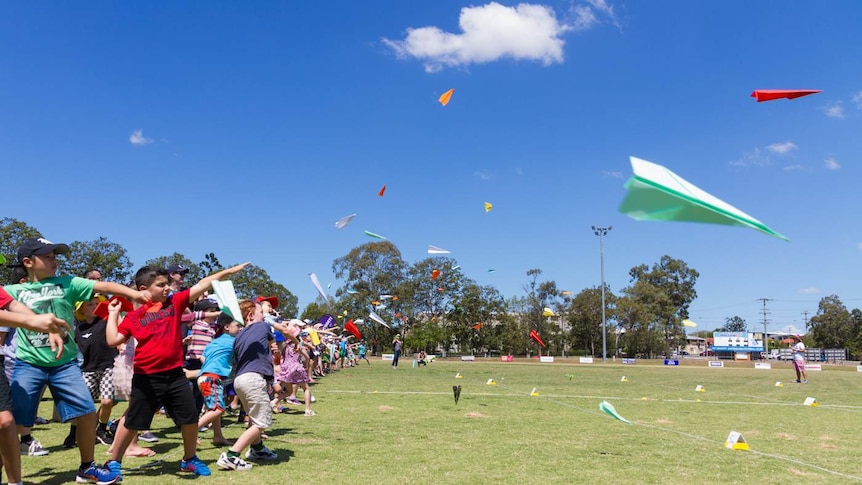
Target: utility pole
<point>805,316</point>
<point>765,321</point>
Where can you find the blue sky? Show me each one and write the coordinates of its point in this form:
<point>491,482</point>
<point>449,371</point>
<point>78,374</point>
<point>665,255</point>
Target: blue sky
<point>248,130</point>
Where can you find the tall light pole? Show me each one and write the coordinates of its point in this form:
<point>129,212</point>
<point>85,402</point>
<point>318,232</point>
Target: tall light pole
<point>602,232</point>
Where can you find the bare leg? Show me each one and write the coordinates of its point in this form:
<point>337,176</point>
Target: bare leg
<point>9,448</point>
<point>190,440</point>
<point>86,436</point>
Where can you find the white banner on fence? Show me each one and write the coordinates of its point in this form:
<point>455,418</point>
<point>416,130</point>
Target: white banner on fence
<point>387,357</point>
<point>546,358</point>
<point>716,363</point>
<point>762,365</point>
<point>813,367</point>
<point>586,360</point>
<point>468,358</point>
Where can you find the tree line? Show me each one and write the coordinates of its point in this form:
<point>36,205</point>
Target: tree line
<point>447,310</point>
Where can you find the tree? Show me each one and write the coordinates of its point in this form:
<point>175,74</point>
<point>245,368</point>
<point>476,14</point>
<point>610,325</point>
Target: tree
<point>673,282</point>
<point>585,318</point>
<point>735,324</point>
<point>832,327</point>
<point>251,282</point>
<point>476,305</point>
<point>370,270</point>
<point>540,296</point>
<point>13,233</point>
<point>106,256</point>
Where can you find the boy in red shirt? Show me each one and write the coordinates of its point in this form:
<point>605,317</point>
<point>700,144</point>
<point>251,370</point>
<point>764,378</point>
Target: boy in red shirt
<point>158,366</point>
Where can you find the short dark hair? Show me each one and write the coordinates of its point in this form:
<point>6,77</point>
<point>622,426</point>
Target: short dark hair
<point>147,275</point>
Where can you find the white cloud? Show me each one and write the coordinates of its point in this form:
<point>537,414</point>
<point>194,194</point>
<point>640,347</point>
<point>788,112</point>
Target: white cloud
<point>857,99</point>
<point>782,148</point>
<point>594,12</point>
<point>754,158</point>
<point>808,291</point>
<point>491,32</point>
<point>835,110</point>
<point>612,174</point>
<point>832,164</point>
<point>137,138</point>
<point>793,168</point>
<point>482,174</point>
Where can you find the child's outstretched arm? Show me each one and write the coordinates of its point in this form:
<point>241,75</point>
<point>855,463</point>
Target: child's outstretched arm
<point>111,288</point>
<point>114,337</point>
<point>19,315</point>
<point>203,285</point>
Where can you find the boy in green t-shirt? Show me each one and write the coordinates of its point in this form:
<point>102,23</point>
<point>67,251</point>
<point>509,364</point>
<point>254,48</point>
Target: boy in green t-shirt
<point>50,359</point>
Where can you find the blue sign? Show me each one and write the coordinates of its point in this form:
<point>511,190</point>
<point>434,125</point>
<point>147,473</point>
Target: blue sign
<point>671,362</point>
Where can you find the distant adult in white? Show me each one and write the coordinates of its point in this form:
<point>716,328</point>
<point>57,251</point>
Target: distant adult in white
<point>799,361</point>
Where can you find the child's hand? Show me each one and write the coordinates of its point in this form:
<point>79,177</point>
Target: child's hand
<point>237,268</point>
<point>143,296</point>
<point>56,342</point>
<point>46,323</point>
<point>114,307</point>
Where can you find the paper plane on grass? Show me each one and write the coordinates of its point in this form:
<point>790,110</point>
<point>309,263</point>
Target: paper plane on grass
<point>458,376</point>
<point>371,234</point>
<point>700,388</point>
<point>762,95</point>
<point>609,409</point>
<point>344,221</point>
<point>735,441</point>
<point>456,391</point>
<point>491,382</point>
<point>657,194</point>
<point>436,250</point>
<point>779,384</point>
<point>534,392</point>
<point>810,401</point>
<point>624,379</point>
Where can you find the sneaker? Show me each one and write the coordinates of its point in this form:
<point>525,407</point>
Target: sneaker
<point>309,412</point>
<point>33,448</point>
<point>148,437</point>
<point>97,474</point>
<point>40,421</point>
<point>69,442</point>
<point>293,400</point>
<point>805,381</point>
<point>263,454</point>
<point>103,436</point>
<point>112,426</point>
<point>115,468</point>
<point>226,462</point>
<point>196,466</point>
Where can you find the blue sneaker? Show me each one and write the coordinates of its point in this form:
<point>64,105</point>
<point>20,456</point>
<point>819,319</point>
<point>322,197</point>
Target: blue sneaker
<point>116,468</point>
<point>196,466</point>
<point>97,474</point>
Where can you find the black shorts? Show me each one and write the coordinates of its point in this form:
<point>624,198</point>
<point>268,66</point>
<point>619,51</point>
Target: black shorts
<point>169,389</point>
<point>5,392</point>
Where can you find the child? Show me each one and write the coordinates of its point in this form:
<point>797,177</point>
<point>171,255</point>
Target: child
<point>159,379</point>
<point>22,317</point>
<point>217,357</point>
<point>98,366</point>
<point>254,376</point>
<point>799,361</point>
<point>51,359</point>
<point>363,350</point>
<point>292,372</point>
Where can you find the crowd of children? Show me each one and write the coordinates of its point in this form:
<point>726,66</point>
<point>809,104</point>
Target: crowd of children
<point>90,341</point>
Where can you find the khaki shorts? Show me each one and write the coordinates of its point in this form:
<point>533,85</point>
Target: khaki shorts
<point>251,388</point>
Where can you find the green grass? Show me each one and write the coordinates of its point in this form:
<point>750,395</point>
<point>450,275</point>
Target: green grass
<point>376,425</point>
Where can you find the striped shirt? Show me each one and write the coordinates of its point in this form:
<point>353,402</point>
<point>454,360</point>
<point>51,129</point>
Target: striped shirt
<point>202,334</point>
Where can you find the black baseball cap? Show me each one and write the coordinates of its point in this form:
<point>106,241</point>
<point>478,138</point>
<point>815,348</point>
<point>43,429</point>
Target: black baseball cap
<point>39,247</point>
<point>177,268</point>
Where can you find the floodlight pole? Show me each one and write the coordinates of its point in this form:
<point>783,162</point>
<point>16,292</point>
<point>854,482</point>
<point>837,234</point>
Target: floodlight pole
<point>602,232</point>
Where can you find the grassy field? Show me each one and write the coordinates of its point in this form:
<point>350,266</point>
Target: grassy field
<point>376,425</point>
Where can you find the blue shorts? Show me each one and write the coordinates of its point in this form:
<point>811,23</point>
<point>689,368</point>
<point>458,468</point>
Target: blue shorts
<point>66,383</point>
<point>212,389</point>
